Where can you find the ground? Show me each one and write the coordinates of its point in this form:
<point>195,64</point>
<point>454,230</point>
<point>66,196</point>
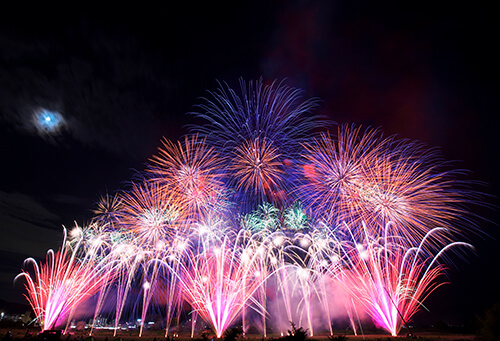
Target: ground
<point>101,335</point>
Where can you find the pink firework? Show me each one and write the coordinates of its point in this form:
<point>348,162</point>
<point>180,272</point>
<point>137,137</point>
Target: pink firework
<point>64,281</point>
<point>389,280</point>
<point>219,279</point>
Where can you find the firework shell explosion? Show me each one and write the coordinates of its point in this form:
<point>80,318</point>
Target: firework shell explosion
<point>264,208</point>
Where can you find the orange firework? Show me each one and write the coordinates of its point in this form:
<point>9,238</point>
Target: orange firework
<point>190,171</point>
<point>363,177</point>
<point>106,210</point>
<point>258,131</point>
<point>151,214</point>
<point>256,167</point>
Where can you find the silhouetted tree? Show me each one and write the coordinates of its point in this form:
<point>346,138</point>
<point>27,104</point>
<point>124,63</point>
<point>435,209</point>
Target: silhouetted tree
<point>296,334</point>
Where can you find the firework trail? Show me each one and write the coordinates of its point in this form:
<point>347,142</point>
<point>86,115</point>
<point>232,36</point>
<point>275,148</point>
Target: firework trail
<point>163,281</point>
<point>130,258</point>
<point>388,279</point>
<point>259,133</point>
<point>93,241</point>
<point>307,264</point>
<point>64,281</point>
<point>316,252</point>
<point>170,292</point>
<point>219,278</point>
<point>275,231</point>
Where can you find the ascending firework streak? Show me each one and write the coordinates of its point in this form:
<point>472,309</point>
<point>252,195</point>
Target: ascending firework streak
<point>219,278</point>
<point>64,281</point>
<point>169,281</point>
<point>389,280</point>
<point>130,258</point>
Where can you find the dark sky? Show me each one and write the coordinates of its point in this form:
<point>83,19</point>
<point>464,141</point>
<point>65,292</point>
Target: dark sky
<point>122,79</point>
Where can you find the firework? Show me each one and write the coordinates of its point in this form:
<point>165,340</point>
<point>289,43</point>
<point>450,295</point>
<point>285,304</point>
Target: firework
<point>259,134</point>
<point>130,258</point>
<point>191,172</point>
<point>255,204</point>
<point>106,210</point>
<point>220,278</point>
<point>295,218</point>
<point>58,286</point>
<point>256,167</point>
<point>152,215</point>
<point>388,279</point>
<point>266,217</point>
<point>362,177</point>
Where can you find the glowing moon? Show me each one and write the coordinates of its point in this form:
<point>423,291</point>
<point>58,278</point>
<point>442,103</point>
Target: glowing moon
<point>47,121</point>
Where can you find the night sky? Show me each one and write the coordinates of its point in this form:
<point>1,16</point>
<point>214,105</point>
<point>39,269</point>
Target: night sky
<point>124,79</point>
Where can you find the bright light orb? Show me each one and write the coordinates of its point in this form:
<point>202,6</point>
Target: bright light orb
<point>47,121</point>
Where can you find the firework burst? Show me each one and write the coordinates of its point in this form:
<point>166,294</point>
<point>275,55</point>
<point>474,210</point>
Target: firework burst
<point>152,215</point>
<point>256,168</point>
<point>191,172</point>
<point>259,133</point>
<point>362,177</point>
<point>255,204</point>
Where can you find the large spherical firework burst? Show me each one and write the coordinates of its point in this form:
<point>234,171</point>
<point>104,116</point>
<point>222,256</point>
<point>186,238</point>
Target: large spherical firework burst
<point>333,172</point>
<point>191,172</point>
<point>152,215</point>
<point>258,133</point>
<point>256,167</point>
<point>360,177</point>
